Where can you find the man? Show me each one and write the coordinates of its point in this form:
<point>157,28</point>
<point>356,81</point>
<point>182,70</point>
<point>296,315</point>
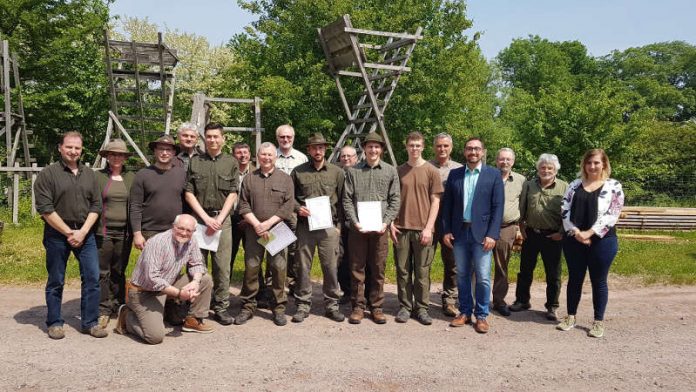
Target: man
<point>288,157</point>
<point>267,198</point>
<point>413,231</point>
<point>541,226</point>
<point>347,158</point>
<point>371,180</point>
<point>67,197</point>
<point>472,211</point>
<point>312,179</point>
<point>442,144</point>
<point>188,144</point>
<point>156,193</point>
<point>508,231</point>
<point>242,153</point>
<point>211,191</point>
<point>157,276</point>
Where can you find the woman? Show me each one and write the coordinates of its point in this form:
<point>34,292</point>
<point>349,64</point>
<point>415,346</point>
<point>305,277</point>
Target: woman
<point>113,236</point>
<point>590,209</point>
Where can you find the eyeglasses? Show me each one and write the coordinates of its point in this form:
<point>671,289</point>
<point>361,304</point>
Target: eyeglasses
<point>477,149</point>
<point>346,156</point>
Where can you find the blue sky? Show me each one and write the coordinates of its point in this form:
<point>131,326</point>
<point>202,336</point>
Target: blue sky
<point>601,26</point>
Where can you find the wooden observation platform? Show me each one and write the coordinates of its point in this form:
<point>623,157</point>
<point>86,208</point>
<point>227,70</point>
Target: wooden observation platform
<point>378,62</point>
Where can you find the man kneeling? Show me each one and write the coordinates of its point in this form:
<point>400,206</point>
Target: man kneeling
<point>157,275</point>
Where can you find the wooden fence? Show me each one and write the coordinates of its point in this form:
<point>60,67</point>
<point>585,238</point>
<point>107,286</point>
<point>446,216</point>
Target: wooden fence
<point>657,218</point>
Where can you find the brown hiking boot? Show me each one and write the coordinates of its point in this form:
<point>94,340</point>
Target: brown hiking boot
<point>121,320</point>
<point>357,315</point>
<point>195,324</point>
<point>449,310</point>
<point>378,316</point>
<point>481,326</point>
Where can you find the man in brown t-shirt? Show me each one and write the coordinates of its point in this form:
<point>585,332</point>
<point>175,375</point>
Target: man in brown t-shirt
<point>412,231</point>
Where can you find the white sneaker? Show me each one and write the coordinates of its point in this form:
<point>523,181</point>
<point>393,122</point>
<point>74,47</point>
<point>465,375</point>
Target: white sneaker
<point>567,324</point>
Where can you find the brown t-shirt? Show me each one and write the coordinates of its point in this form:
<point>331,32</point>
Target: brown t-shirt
<point>417,185</point>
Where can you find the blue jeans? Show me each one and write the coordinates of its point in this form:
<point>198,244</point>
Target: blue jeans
<point>57,252</point>
<point>470,258</point>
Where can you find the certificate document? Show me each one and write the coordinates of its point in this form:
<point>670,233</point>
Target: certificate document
<point>207,242</point>
<point>370,215</point>
<point>320,213</point>
<point>280,237</point>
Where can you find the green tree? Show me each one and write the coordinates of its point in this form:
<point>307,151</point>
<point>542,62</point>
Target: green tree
<point>664,74</point>
<point>281,61</point>
<point>59,47</point>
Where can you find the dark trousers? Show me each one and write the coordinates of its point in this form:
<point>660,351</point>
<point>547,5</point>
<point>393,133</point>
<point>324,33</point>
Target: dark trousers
<point>344,263</point>
<point>501,255</point>
<point>368,252</point>
<point>277,265</point>
<point>57,252</point>
<point>449,281</point>
<point>237,238</point>
<point>597,258</point>
<point>114,251</point>
<point>550,250</point>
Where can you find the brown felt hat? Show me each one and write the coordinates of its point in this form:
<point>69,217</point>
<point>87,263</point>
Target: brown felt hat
<point>317,138</point>
<point>115,145</point>
<point>373,137</point>
<point>164,139</point>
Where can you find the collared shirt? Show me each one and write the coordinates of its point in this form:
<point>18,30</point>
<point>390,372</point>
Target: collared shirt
<point>513,189</point>
<point>71,196</point>
<point>326,181</point>
<point>445,169</point>
<point>162,259</point>
<point>250,168</point>
<point>288,162</point>
<point>267,195</point>
<point>183,158</point>
<point>470,180</point>
<point>540,208</point>
<point>378,183</point>
<point>212,179</point>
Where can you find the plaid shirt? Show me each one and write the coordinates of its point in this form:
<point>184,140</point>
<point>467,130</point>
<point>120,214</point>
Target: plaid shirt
<point>162,260</point>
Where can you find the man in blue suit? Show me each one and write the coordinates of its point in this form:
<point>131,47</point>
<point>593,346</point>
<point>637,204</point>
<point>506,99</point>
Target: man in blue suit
<point>472,211</point>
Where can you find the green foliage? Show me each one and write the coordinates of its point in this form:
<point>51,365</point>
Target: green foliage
<point>282,61</point>
<point>59,47</point>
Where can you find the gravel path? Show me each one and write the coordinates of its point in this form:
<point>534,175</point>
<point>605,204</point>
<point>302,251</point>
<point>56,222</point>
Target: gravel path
<point>650,344</point>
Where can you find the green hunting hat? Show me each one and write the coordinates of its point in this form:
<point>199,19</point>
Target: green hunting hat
<point>317,138</point>
<point>117,146</point>
<point>373,137</point>
<point>164,139</point>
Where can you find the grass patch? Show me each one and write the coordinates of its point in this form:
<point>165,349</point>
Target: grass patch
<point>22,259</point>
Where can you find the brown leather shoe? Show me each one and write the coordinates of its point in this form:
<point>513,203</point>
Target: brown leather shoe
<point>461,321</point>
<point>378,316</point>
<point>481,326</point>
<point>193,324</point>
<point>356,316</point>
<point>449,310</point>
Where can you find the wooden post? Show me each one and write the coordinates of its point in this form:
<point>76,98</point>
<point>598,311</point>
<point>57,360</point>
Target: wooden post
<point>8,105</point>
<point>257,123</point>
<point>198,112</point>
<point>33,196</point>
<point>15,196</point>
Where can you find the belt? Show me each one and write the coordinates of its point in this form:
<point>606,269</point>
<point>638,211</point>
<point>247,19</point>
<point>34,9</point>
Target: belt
<point>466,225</point>
<point>74,225</point>
<point>212,212</point>
<point>504,225</point>
<point>543,231</point>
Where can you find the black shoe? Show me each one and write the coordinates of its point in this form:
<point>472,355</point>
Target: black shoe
<point>345,298</point>
<point>335,315</point>
<point>519,306</point>
<point>223,318</point>
<point>243,317</point>
<point>299,316</point>
<point>279,319</point>
<point>502,309</point>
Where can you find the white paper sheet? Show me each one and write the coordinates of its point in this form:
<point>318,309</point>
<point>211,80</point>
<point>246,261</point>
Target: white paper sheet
<point>281,237</point>
<point>207,242</point>
<point>370,215</point>
<point>320,213</point>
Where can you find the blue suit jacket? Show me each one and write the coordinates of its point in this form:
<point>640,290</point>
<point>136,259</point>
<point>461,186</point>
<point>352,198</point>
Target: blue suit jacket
<point>487,207</point>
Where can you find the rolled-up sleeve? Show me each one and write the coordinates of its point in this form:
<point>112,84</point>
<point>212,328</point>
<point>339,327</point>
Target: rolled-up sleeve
<point>43,191</point>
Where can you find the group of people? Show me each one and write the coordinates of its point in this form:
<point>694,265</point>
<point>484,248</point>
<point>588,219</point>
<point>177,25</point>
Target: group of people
<point>474,212</point>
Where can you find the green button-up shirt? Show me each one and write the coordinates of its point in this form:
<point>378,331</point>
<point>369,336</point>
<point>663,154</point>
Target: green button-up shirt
<point>326,181</point>
<point>540,208</point>
<point>211,180</point>
<point>513,189</point>
<point>378,183</point>
<point>71,196</point>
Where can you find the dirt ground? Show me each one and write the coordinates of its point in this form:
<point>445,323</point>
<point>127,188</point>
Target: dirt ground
<point>650,344</point>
